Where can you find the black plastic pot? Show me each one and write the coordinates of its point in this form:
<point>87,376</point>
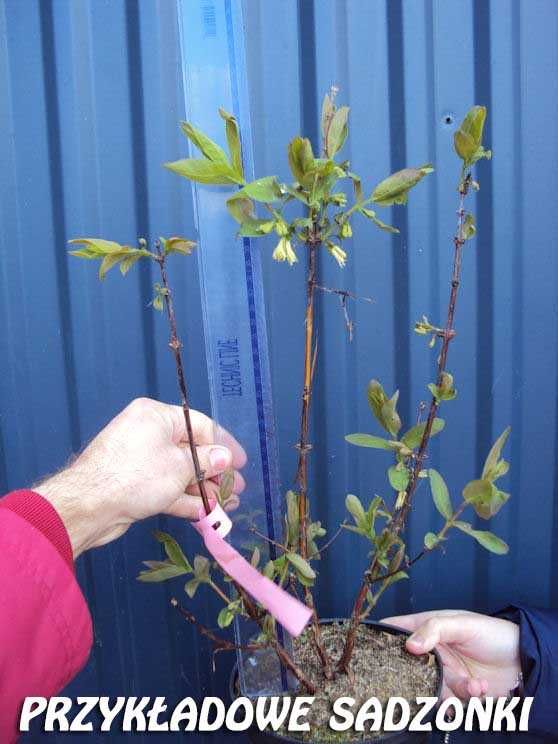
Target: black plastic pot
<point>399,737</point>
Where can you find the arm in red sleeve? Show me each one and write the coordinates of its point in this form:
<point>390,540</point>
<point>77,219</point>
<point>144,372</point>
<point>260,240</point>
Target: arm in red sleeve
<point>45,625</point>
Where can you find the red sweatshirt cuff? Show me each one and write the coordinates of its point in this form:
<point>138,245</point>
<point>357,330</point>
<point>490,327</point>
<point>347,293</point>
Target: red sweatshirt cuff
<point>43,516</point>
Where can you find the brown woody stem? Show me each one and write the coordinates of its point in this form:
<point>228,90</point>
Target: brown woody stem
<point>399,519</point>
<point>304,445</point>
<point>175,346</point>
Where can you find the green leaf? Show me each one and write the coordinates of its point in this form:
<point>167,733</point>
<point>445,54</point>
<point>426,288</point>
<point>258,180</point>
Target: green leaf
<point>464,145</point>
<point>413,437</point>
<point>256,228</point>
<point>201,569</point>
<point>328,109</point>
<point>233,141</point>
<point>478,492</point>
<point>84,253</point>
<point>337,131</point>
<point>205,171</point>
<point>494,467</point>
<point>301,158</point>
<point>240,207</point>
<point>207,146</point>
<point>191,587</point>
<point>109,253</point>
<point>297,193</point>
<point>178,245</point>
<point>263,189</point>
<point>269,570</point>
<point>157,303</point>
<point>394,189</point>
<point>225,617</point>
<point>431,540</point>
<point>107,263</point>
<point>487,539</point>
<point>127,263</point>
<point>389,418</point>
<point>355,508</point>
<point>161,571</point>
<point>484,497</point>
<point>302,566</point>
<point>440,494</point>
<point>97,247</point>
<point>172,549</point>
<point>398,476</point>
<point>445,390</point>
<point>368,440</point>
<point>384,408</point>
<point>468,138</point>
<point>376,397</point>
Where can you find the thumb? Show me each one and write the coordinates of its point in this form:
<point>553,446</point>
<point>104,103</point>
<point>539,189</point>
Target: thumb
<point>214,459</point>
<point>451,630</point>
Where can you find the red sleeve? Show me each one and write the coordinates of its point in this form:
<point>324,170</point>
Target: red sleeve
<point>45,626</point>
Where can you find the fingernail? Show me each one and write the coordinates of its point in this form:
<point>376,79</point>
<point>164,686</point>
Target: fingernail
<point>418,643</point>
<point>219,457</point>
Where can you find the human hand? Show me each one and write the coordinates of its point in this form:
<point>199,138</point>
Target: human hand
<point>480,654</point>
<point>138,466</point>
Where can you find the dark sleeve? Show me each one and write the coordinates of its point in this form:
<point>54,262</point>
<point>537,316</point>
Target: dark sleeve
<point>539,664</point>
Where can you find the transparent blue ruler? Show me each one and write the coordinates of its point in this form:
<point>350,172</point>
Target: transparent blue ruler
<point>214,71</point>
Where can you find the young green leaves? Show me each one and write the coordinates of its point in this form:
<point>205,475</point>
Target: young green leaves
<point>176,563</point>
<point>334,125</point>
<point>384,409</point>
<point>483,494</point>
<point>327,219</point>
<point>112,254</point>
<point>108,253</point>
<point>468,138</point>
<point>215,166</point>
<point>395,189</point>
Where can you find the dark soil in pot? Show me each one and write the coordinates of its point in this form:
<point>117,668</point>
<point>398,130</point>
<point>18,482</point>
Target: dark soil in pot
<point>381,667</point>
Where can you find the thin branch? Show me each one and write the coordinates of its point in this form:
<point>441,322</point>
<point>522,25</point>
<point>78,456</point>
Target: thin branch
<point>268,539</point>
<point>175,345</point>
<point>344,295</point>
<point>328,543</point>
<point>220,644</point>
<point>400,517</point>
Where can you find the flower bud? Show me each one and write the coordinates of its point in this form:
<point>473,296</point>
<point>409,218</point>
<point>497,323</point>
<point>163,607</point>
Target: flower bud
<point>339,199</point>
<point>345,230</point>
<point>281,228</point>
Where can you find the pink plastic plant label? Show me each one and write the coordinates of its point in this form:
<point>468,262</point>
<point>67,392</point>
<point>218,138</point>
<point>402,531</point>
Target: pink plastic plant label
<point>292,614</point>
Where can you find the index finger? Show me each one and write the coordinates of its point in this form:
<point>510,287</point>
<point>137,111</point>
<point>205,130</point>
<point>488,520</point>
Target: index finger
<point>413,622</point>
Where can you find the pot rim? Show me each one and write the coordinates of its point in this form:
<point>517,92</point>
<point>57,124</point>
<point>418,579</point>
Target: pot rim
<point>394,630</point>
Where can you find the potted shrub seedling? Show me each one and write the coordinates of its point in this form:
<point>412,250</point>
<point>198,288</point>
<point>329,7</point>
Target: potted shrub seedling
<point>313,214</point>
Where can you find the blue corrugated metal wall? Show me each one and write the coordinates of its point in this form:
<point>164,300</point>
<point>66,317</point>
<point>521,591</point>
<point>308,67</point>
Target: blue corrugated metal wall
<point>91,97</point>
